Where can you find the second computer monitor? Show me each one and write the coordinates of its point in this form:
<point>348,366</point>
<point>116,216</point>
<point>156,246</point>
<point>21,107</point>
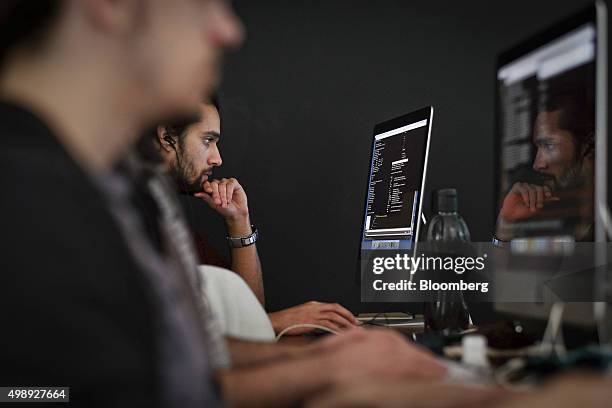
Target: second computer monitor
<point>547,138</point>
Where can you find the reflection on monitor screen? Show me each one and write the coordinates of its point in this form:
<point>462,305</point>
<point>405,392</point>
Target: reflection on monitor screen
<point>546,130</point>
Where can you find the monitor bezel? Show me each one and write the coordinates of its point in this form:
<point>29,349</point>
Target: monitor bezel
<point>545,36</point>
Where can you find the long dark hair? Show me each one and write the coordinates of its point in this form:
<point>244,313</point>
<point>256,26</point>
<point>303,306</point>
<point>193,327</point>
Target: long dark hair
<point>146,145</point>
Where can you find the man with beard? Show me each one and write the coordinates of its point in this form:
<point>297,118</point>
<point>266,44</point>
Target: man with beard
<point>562,172</point>
<point>262,373</point>
<point>190,149</point>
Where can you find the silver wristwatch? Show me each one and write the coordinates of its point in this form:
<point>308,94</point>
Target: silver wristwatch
<point>241,242</point>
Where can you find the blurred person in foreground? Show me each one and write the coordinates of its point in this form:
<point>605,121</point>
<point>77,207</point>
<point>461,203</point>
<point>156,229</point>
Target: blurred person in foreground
<point>88,303</point>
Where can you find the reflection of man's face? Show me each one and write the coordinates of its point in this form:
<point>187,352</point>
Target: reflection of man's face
<point>198,153</point>
<point>556,151</point>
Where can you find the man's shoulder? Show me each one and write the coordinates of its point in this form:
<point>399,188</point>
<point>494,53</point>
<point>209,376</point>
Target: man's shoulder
<point>39,185</point>
<point>31,152</point>
<point>22,161</point>
<point>52,212</point>
<point>81,311</point>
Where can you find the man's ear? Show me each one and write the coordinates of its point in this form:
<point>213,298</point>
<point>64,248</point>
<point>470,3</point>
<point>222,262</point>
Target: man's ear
<point>113,15</point>
<point>588,147</point>
<point>165,140</point>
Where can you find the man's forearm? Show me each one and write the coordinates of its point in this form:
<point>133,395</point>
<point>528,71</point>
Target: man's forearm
<point>246,353</point>
<point>245,261</point>
<point>278,384</point>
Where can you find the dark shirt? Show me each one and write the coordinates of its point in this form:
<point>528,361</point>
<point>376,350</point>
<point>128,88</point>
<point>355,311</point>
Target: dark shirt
<point>77,308</point>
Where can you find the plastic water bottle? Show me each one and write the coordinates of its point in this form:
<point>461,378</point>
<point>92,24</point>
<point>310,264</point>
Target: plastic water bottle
<point>449,313</point>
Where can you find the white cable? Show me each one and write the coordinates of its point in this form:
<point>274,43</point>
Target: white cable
<point>552,340</point>
<point>311,326</point>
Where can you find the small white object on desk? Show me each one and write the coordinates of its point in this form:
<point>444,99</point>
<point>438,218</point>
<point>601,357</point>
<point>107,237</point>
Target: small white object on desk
<point>475,351</point>
<point>474,367</point>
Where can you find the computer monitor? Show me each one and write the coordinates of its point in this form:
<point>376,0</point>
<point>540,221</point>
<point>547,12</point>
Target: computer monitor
<point>546,136</point>
<point>398,165</point>
<point>551,141</point>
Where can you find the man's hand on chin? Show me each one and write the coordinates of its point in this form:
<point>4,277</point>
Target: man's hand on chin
<point>228,198</point>
<point>524,200</point>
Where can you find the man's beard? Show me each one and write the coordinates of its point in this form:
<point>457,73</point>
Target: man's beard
<point>183,176</point>
<point>573,177</point>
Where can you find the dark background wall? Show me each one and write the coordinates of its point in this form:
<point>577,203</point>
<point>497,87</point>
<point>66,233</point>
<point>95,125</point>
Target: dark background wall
<point>299,101</point>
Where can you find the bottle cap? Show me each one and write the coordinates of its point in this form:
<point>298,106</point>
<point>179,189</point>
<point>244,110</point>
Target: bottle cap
<point>446,200</point>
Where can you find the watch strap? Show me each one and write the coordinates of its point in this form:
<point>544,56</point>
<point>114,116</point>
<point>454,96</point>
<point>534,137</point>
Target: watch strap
<point>241,242</point>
